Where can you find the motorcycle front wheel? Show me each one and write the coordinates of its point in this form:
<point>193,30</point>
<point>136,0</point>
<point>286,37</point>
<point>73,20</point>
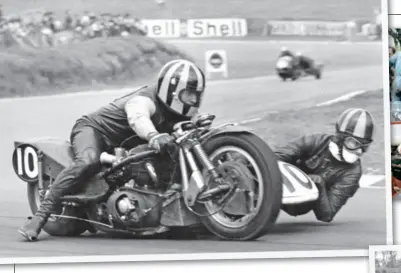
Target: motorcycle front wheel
<point>260,160</point>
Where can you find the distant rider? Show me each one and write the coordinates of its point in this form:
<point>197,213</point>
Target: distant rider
<point>332,162</point>
<point>284,51</point>
<point>150,113</point>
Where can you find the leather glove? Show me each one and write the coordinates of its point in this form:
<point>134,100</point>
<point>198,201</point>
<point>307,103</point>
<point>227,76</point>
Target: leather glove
<point>317,179</point>
<point>160,142</point>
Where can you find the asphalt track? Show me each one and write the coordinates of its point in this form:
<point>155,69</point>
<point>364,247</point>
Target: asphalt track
<point>361,223</point>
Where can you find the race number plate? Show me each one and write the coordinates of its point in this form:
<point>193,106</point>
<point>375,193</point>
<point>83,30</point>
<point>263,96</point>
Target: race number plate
<point>25,162</point>
<point>297,186</point>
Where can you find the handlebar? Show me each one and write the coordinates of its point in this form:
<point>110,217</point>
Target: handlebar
<point>185,128</point>
<point>181,130</point>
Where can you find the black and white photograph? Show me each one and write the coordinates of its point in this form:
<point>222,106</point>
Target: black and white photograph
<point>395,99</point>
<point>138,130</point>
<point>385,259</point>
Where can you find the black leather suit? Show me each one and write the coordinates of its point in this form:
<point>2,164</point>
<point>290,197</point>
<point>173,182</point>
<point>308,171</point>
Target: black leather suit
<point>339,181</point>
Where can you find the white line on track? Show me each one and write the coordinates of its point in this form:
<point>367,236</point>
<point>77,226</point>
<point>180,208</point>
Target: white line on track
<point>342,98</point>
<point>367,181</point>
<point>252,120</point>
<point>374,187</point>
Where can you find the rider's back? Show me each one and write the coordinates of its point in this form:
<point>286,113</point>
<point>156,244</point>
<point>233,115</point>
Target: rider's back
<point>111,119</point>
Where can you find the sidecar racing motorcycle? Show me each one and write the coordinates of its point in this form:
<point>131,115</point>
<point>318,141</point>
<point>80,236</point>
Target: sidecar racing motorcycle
<point>224,179</point>
<point>287,67</point>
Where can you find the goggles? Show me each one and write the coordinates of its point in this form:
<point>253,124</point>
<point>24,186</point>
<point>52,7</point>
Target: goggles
<point>352,144</point>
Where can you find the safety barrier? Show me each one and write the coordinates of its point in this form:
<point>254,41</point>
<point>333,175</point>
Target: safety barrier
<point>226,28</point>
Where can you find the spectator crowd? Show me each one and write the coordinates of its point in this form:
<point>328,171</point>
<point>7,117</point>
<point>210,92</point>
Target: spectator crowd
<point>56,30</point>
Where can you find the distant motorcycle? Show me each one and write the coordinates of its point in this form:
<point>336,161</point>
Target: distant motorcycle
<point>287,67</point>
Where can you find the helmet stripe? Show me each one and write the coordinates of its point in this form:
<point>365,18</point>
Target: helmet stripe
<point>200,77</point>
<point>360,126</point>
<point>177,105</point>
<point>172,88</point>
<point>348,116</point>
<point>164,87</point>
<point>162,73</point>
<point>370,129</point>
<point>192,83</point>
<point>342,117</point>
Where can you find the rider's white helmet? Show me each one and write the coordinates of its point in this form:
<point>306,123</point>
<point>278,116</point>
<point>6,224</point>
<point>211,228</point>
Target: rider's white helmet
<point>180,86</point>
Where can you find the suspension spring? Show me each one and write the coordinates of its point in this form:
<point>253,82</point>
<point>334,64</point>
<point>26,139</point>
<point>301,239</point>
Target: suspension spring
<point>201,154</point>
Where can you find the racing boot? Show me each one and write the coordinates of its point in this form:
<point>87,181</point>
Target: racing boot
<point>32,228</point>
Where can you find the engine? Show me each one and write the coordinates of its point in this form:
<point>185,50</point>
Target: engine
<point>135,205</point>
<point>128,208</point>
<point>153,173</point>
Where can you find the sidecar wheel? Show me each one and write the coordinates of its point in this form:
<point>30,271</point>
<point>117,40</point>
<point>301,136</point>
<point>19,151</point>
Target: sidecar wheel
<point>318,75</point>
<point>268,188</point>
<point>57,226</point>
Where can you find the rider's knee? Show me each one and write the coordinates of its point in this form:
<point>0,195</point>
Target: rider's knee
<point>88,161</point>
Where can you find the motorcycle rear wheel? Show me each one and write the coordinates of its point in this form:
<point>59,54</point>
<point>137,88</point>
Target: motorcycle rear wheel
<point>269,190</point>
<point>56,226</point>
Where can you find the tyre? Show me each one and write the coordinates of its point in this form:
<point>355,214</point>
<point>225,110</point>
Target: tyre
<point>56,226</point>
<point>318,74</point>
<point>295,75</point>
<point>268,187</point>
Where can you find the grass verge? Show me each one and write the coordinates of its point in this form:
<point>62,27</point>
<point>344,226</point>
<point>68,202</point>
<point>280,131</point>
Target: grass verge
<point>93,63</point>
<point>117,62</point>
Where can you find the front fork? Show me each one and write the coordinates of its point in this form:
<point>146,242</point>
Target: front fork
<point>196,184</point>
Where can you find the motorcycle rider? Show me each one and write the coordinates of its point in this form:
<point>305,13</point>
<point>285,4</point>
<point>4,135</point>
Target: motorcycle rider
<point>149,113</point>
<point>284,51</point>
<point>332,162</point>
